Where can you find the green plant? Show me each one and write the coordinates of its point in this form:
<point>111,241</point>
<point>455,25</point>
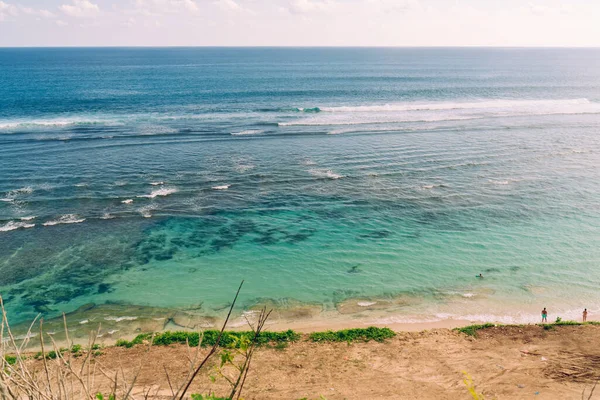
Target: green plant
<point>100,396</point>
<point>243,347</point>
<point>11,360</point>
<point>561,322</point>
<point>209,338</point>
<point>471,330</point>
<point>124,343</point>
<point>207,397</point>
<point>558,319</point>
<point>548,327</point>
<point>351,335</point>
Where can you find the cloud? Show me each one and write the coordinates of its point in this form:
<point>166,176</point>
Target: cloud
<point>228,5</point>
<point>393,5</point>
<point>311,6</point>
<point>157,7</point>
<point>38,13</point>
<point>80,9</point>
<point>541,10</point>
<point>361,7</point>
<point>7,10</point>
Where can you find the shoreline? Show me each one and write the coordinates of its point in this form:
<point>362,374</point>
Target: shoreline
<point>125,322</point>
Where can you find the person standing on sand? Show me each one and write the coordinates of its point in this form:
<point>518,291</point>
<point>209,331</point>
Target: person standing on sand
<point>544,315</point>
<point>585,315</point>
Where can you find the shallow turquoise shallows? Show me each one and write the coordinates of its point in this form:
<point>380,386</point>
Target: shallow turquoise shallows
<point>163,177</point>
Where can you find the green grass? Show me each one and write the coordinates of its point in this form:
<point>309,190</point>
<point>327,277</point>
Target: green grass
<point>209,338</point>
<point>471,330</point>
<point>11,360</point>
<point>351,335</point>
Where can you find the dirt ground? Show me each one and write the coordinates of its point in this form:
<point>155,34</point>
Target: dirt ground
<point>504,362</point>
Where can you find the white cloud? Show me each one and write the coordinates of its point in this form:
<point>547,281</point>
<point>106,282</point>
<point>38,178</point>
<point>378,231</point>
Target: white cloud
<point>38,13</point>
<point>393,5</point>
<point>80,9</point>
<point>228,5</point>
<point>311,6</point>
<point>157,7</point>
<point>7,10</point>
<point>541,10</point>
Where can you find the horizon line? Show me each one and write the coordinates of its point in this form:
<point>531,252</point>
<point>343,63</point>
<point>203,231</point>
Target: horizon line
<point>302,47</point>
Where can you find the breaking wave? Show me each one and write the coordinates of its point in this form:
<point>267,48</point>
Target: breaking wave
<point>162,192</point>
<point>12,225</point>
<point>65,219</point>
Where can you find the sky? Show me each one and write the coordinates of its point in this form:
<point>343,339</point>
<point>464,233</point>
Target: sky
<point>299,23</point>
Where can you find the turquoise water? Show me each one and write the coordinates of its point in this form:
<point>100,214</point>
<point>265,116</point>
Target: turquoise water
<point>331,177</point>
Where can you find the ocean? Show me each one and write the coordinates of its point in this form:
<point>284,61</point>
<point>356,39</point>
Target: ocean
<point>370,184</point>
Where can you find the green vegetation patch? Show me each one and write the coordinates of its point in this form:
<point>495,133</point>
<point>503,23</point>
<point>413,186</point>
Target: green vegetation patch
<point>11,360</point>
<point>351,335</point>
<point>471,330</point>
<point>209,338</point>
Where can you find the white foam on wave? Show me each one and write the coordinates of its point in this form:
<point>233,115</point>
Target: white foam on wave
<point>366,303</point>
<point>128,201</point>
<point>11,195</point>
<point>474,105</point>
<point>502,182</point>
<point>65,219</point>
<point>248,132</point>
<point>222,187</point>
<point>146,211</point>
<point>162,192</point>
<point>57,122</point>
<point>157,183</point>
<point>31,218</point>
<point>325,174</point>
<point>119,319</point>
<point>12,225</point>
<point>400,113</point>
<point>107,216</point>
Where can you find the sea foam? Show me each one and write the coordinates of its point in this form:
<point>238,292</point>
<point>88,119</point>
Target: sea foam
<point>400,113</point>
<point>12,225</point>
<point>65,219</point>
<point>162,192</point>
<point>325,174</point>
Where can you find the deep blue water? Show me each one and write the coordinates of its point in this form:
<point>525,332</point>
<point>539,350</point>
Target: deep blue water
<point>323,175</point>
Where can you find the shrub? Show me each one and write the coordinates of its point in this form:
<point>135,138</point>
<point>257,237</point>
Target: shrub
<point>471,330</point>
<point>209,338</point>
<point>351,335</point>
<point>561,322</point>
<point>124,343</point>
<point>11,360</point>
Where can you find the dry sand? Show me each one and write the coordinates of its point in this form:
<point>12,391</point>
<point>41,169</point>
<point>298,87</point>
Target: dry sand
<point>504,362</point>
